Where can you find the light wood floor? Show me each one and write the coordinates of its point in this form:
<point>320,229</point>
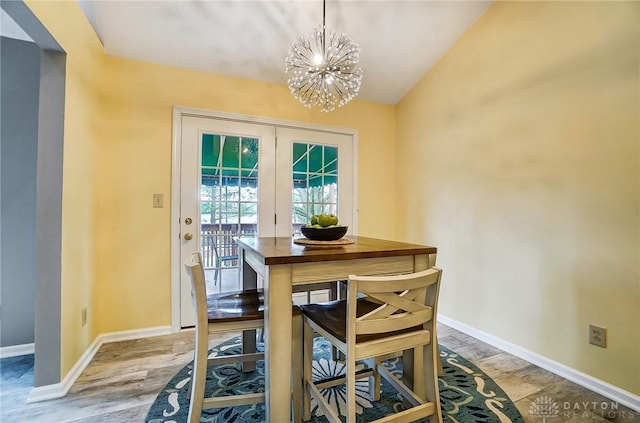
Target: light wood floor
<point>124,378</point>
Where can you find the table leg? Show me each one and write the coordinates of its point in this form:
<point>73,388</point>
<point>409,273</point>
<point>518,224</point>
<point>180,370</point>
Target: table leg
<point>421,262</point>
<point>248,275</point>
<point>432,263</point>
<point>407,368</point>
<point>278,327</point>
<point>249,279</point>
<point>432,260</point>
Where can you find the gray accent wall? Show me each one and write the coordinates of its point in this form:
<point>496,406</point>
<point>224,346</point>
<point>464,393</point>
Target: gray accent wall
<point>48,202</point>
<point>49,218</point>
<point>20,86</point>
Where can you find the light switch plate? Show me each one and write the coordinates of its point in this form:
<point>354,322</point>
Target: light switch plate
<point>158,201</point>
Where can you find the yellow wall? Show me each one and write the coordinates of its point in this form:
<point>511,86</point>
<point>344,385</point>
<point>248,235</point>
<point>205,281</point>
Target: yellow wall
<point>135,162</point>
<point>84,71</point>
<point>517,156</point>
<point>518,159</point>
<point>118,123</point>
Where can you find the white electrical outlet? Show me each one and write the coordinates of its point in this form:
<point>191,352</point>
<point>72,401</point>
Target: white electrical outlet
<point>598,336</point>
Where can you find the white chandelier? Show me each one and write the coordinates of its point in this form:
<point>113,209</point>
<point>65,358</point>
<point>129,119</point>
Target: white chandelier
<point>322,68</point>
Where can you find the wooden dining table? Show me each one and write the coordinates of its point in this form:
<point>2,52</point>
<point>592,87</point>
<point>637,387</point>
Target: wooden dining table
<point>277,264</point>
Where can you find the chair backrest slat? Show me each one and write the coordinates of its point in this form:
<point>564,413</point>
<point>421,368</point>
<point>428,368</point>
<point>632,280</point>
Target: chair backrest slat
<point>393,302</point>
<point>400,282</point>
<point>394,322</point>
<point>405,301</point>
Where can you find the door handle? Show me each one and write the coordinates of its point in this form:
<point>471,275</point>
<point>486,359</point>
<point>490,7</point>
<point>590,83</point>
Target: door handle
<point>188,236</point>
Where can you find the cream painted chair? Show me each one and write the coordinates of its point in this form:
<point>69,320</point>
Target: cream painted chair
<point>232,312</point>
<point>380,317</point>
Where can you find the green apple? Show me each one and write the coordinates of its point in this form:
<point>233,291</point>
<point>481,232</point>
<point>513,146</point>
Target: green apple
<point>314,219</point>
<point>334,219</point>
<point>325,220</point>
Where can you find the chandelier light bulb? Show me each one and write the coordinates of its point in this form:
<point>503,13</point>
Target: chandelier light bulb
<point>322,69</point>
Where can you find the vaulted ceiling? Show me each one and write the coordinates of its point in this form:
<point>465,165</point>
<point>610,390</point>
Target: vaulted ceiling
<point>399,40</point>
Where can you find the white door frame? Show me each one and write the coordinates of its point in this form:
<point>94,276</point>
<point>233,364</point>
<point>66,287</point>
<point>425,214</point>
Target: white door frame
<point>176,160</point>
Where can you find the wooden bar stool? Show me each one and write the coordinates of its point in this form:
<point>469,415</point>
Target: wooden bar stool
<point>380,316</point>
<point>232,312</point>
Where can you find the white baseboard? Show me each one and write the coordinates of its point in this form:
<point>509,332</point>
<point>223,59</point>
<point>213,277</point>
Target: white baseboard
<point>16,350</point>
<point>601,387</point>
<point>58,390</point>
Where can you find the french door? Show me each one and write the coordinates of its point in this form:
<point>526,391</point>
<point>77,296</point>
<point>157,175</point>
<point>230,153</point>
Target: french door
<point>314,175</point>
<point>248,178</point>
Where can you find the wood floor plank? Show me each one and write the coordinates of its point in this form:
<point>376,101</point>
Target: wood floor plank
<point>124,378</point>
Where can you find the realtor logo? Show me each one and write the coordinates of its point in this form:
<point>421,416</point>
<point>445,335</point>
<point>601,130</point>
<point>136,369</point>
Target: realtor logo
<point>544,407</point>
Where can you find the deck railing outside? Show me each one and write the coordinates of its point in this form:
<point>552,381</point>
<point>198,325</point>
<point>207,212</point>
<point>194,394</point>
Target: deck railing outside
<point>218,249</point>
<point>217,246</point>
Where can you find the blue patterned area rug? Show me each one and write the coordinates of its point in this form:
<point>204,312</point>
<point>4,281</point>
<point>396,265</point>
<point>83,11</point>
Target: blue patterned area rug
<point>467,395</point>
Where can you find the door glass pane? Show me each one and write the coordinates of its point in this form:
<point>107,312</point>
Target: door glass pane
<point>228,204</point>
<point>315,182</point>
